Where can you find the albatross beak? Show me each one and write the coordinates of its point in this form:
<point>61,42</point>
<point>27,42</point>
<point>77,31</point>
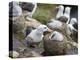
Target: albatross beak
<point>49,30</point>
<point>57,7</point>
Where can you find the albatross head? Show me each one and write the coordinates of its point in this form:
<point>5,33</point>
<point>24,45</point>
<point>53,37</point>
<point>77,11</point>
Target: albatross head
<point>67,10</point>
<point>60,7</point>
<point>60,11</point>
<point>67,13</point>
<point>43,28</point>
<point>73,21</point>
<point>56,36</point>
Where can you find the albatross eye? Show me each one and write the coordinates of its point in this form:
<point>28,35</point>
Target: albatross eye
<point>45,27</point>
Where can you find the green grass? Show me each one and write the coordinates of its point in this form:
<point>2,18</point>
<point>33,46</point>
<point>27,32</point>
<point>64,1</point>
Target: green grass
<point>20,36</point>
<point>44,13</point>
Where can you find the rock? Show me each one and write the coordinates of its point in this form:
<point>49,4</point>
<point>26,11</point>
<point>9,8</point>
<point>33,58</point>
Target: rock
<point>17,44</point>
<point>14,9</point>
<point>13,54</point>
<point>28,52</point>
<point>18,22</point>
<point>32,54</point>
<point>29,8</point>
<point>75,36</point>
<point>32,22</point>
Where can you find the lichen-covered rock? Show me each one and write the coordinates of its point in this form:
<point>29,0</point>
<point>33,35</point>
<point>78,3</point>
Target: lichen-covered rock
<point>18,24</point>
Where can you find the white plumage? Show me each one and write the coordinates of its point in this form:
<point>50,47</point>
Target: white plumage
<point>34,9</point>
<point>37,34</point>
<point>67,13</point>
<point>55,24</point>
<point>60,11</point>
<point>56,36</point>
<point>70,25</point>
<point>73,21</point>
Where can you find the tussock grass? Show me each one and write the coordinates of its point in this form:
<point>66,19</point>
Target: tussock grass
<point>44,12</point>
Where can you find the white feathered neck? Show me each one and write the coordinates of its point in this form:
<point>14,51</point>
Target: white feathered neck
<point>37,34</point>
<point>60,11</point>
<point>67,13</point>
<point>55,24</point>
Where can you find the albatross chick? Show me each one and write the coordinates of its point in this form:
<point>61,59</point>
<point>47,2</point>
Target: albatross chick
<point>56,43</point>
<point>36,35</point>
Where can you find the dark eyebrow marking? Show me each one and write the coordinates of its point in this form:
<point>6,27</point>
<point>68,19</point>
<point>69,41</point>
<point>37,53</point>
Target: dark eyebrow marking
<point>52,36</point>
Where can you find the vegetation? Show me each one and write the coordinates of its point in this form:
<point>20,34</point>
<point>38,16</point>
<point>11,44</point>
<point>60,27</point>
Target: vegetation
<point>44,12</point>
